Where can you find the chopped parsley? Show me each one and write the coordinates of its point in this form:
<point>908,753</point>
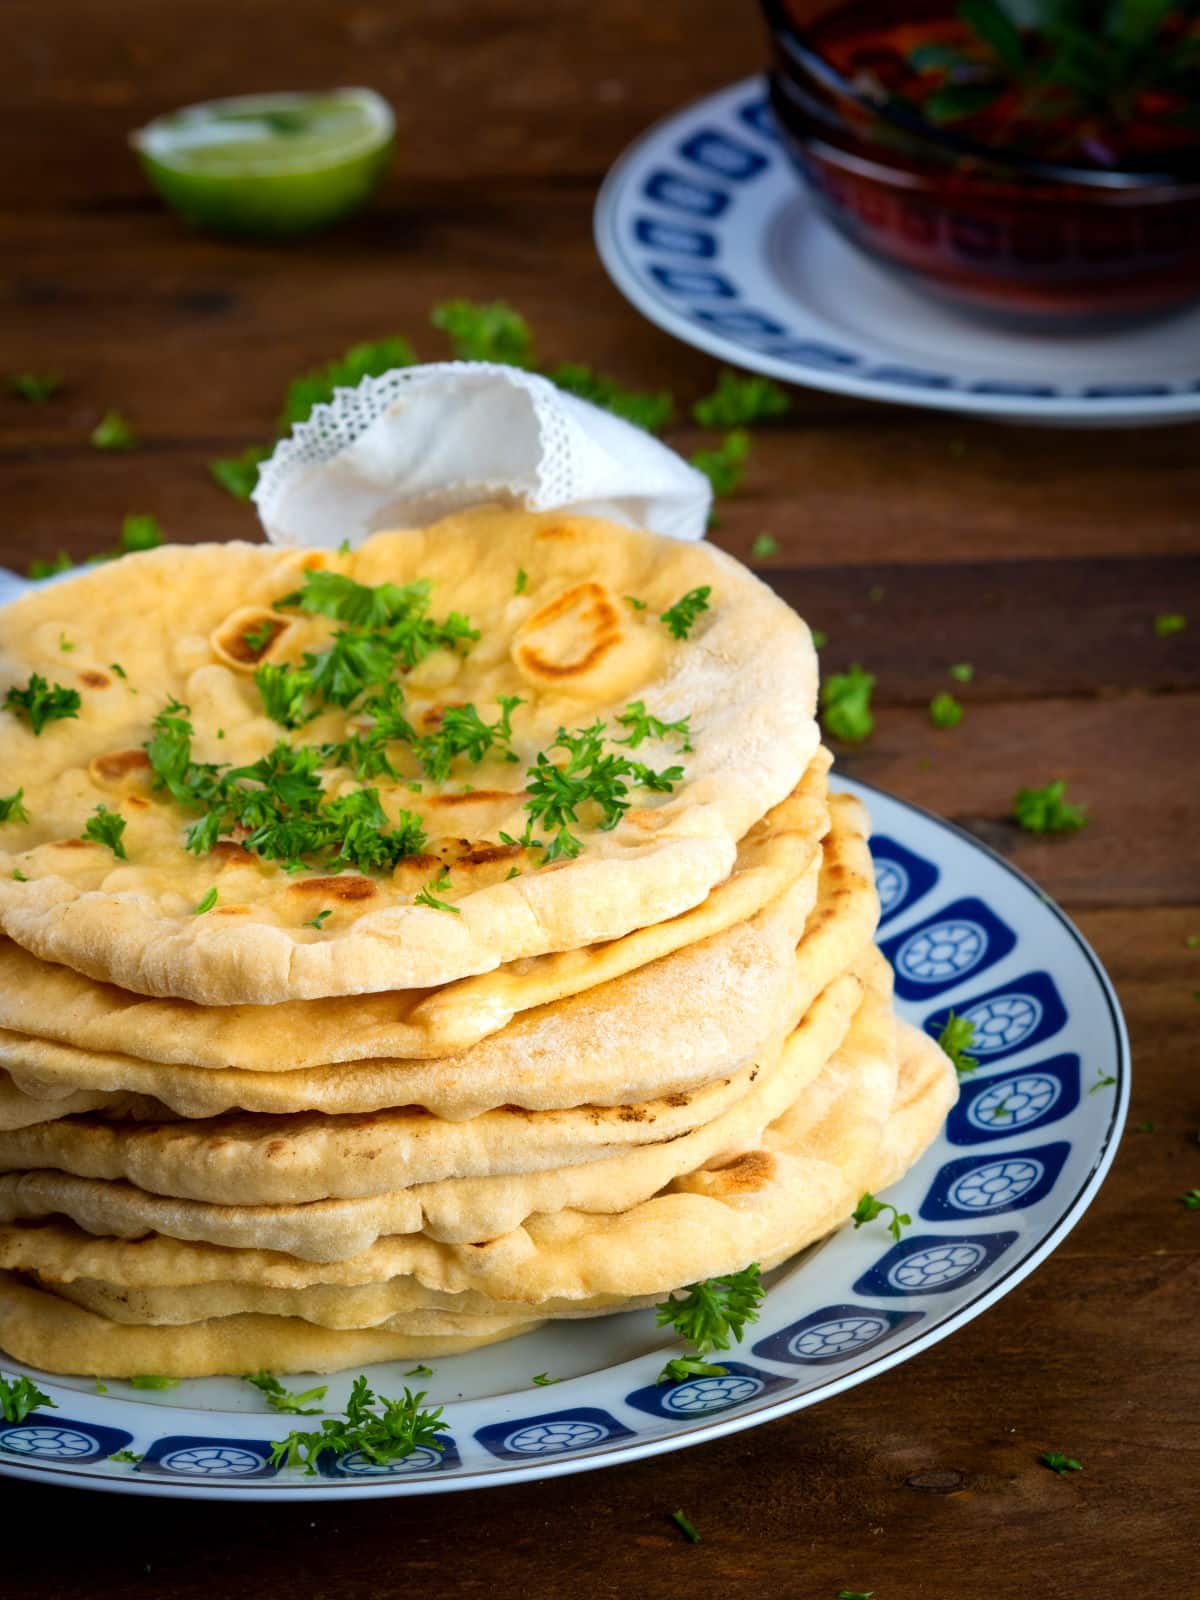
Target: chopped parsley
<point>19,875</point>
<point>318,922</point>
<point>41,702</point>
<point>652,410</point>
<point>680,1368</point>
<point>139,531</point>
<point>1168,623</point>
<point>588,775</point>
<point>765,545</point>
<point>723,467</point>
<point>875,593</point>
<point>287,1400</point>
<point>1102,1083</point>
<point>1047,810</point>
<point>107,827</point>
<point>479,332</point>
<point>819,638</point>
<point>1191,1199</point>
<point>868,1208</point>
<point>739,400</point>
<point>18,1397</point>
<point>632,600</point>
<point>522,581</point>
<point>1146,1127</point>
<point>680,617</point>
<point>436,886</point>
<point>383,1430</point>
<point>1057,1462</point>
<point>421,1371</point>
<point>685,1527</point>
<point>64,644</point>
<point>129,1456</point>
<point>955,1039</point>
<point>151,1380</point>
<point>961,671</point>
<point>855,1594</point>
<point>115,666</point>
<point>284,692</point>
<point>39,568</point>
<point>113,432</point>
<point>463,732</point>
<point>945,711</point>
<point>238,475</point>
<point>209,901</point>
<point>35,387</point>
<point>713,1313</point>
<point>257,639</point>
<point>846,705</point>
<point>544,1380</point>
<point>11,807</point>
<point>642,726</point>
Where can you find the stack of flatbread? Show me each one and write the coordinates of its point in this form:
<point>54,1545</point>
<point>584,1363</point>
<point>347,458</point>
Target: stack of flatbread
<point>406,946</point>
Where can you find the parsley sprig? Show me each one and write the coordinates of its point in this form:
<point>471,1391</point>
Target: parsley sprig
<point>19,1396</point>
<point>107,827</point>
<point>955,1039</point>
<point>40,702</point>
<point>286,1400</point>
<point>642,725</point>
<point>740,399</point>
<point>382,1429</point>
<point>868,1208</point>
<point>680,618</point>
<point>588,776</point>
<point>1047,810</point>
<point>12,808</point>
<point>1060,1463</point>
<point>846,705</point>
<point>710,1315</point>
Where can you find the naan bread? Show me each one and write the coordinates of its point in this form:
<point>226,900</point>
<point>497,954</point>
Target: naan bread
<point>175,621</point>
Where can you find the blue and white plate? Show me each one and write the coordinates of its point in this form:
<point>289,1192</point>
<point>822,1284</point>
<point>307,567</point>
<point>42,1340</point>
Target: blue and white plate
<point>705,227</point>
<point>1019,1161</point>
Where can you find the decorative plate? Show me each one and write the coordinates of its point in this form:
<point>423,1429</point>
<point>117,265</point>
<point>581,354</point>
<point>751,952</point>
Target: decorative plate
<point>706,228</point>
<point>1019,1161</point>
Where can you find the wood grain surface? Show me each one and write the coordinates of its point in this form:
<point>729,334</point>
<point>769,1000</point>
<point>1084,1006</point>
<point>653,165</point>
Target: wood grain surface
<point>1041,556</point>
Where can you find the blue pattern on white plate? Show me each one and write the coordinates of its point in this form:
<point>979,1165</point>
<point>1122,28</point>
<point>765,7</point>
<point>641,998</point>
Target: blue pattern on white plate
<point>843,1311</point>
<point>705,227</point>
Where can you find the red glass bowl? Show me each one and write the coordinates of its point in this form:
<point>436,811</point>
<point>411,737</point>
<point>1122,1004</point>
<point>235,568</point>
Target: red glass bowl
<point>992,230</point>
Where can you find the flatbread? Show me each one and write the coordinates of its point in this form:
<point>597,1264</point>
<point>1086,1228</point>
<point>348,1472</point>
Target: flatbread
<point>42,1001</point>
<point>174,620</point>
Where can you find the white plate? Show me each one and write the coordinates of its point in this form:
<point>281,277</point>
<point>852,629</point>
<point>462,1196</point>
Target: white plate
<point>1019,1161</point>
<point>706,228</point>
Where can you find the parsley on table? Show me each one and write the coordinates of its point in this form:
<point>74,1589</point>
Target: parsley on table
<point>685,1527</point>
<point>855,1594</point>
<point>945,711</point>
<point>318,922</point>
<point>436,886</point>
<point>765,545</point>
<point>209,901</point>
<point>107,827</point>
<point>738,400</point>
<point>40,568</point>
<point>1146,1127</point>
<point>961,671</point>
<point>1169,622</point>
<point>819,638</point>
<point>1191,1199</point>
<point>286,1400</point>
<point>35,387</point>
<point>643,726</point>
<point>522,581</point>
<point>491,332</point>
<point>712,1313</point>
<point>1060,1463</point>
<point>846,705</point>
<point>11,807</point>
<point>868,1208</point>
<point>1047,810</point>
<point>723,466</point>
<point>140,531</point>
<point>652,410</point>
<point>113,432</point>
<point>680,617</point>
<point>555,793</point>
<point>152,1380</point>
<point>18,1397</point>
<point>382,1429</point>
<point>41,702</point>
<point>544,1380</point>
<point>238,474</point>
<point>955,1039</point>
<point>421,1371</point>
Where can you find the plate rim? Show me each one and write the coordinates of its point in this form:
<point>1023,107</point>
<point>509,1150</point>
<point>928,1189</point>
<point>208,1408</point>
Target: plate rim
<point>1065,410</point>
<point>720,1425</point>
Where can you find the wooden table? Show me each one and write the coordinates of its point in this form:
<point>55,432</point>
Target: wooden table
<point>1041,556</point>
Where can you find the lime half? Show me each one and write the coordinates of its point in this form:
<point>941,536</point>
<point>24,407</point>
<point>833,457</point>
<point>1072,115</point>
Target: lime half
<point>269,164</point>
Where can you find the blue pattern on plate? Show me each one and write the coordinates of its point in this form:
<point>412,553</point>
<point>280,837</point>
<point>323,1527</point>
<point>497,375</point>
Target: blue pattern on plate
<point>553,1433</point>
<point>699,1397</point>
<point>931,1263</point>
<point>990,1184</point>
<point>194,1455</point>
<point>834,1334</point>
<point>424,1459</point>
<point>46,1436</point>
<point>901,876</point>
<point>1011,1017</point>
<point>1019,1101</point>
<point>948,946</point>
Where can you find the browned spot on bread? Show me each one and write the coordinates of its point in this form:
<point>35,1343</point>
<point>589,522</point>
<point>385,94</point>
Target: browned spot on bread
<point>481,854</point>
<point>74,844</point>
<point>137,801</point>
<point>475,797</point>
<point>95,680</point>
<point>232,911</point>
<point>335,888</point>
<point>747,1173</point>
<point>559,530</point>
<point>118,764</point>
<point>275,1147</point>
<point>230,850</point>
<point>602,632</point>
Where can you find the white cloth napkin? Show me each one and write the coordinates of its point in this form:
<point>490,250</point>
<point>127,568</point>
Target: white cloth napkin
<point>417,443</point>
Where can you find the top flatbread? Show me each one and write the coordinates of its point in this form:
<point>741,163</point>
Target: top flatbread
<point>178,621</point>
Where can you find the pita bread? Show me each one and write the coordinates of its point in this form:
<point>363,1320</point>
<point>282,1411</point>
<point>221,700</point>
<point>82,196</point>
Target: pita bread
<point>175,620</point>
<point>54,1003</point>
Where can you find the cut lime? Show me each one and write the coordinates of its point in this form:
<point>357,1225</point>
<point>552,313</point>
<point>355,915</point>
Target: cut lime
<point>269,164</point>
